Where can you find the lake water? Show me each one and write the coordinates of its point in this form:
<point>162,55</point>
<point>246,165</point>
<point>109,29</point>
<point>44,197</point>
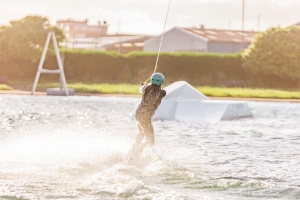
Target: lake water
<point>73,148</point>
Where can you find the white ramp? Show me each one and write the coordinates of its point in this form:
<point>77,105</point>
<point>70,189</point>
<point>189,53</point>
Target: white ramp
<point>184,103</point>
<point>208,110</point>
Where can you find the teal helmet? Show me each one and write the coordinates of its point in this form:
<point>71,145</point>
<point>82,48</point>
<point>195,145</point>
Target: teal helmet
<point>157,78</point>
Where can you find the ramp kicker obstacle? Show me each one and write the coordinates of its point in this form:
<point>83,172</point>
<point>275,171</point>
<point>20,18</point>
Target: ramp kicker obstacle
<point>184,103</point>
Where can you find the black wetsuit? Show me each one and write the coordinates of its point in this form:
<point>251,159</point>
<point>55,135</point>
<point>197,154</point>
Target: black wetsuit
<point>152,95</point>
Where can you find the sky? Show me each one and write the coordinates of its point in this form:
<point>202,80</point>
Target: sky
<point>148,16</point>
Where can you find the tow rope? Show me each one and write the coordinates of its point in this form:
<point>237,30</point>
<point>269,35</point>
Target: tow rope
<point>161,40</point>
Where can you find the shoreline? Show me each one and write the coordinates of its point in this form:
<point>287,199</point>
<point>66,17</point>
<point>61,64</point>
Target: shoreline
<point>39,93</point>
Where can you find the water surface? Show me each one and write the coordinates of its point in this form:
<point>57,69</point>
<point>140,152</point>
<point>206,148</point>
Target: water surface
<point>73,148</point>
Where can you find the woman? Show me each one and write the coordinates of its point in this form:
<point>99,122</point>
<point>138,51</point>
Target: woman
<point>151,98</point>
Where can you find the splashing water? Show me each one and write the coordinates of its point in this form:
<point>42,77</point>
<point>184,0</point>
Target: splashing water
<point>62,148</point>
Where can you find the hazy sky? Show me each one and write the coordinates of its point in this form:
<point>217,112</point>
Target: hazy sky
<point>147,16</point>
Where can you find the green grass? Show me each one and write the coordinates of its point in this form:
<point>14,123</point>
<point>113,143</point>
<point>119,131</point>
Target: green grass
<point>208,91</point>
<point>5,87</point>
<point>12,198</point>
<point>249,93</point>
<point>95,88</point>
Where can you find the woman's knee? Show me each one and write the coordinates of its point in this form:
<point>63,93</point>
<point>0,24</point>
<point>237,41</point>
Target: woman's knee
<point>150,139</point>
<point>151,142</point>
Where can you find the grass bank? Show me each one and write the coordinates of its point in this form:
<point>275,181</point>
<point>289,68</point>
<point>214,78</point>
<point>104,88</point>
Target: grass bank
<point>249,93</point>
<point>5,87</point>
<point>97,88</point>
<point>208,91</point>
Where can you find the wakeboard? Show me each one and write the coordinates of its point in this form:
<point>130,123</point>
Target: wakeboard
<point>131,158</point>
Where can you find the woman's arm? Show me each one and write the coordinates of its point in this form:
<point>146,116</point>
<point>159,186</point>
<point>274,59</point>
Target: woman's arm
<point>142,88</point>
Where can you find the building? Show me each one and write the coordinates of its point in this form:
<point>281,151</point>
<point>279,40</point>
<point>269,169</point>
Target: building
<point>297,24</point>
<point>201,40</point>
<point>135,43</point>
<point>80,35</point>
<point>81,29</point>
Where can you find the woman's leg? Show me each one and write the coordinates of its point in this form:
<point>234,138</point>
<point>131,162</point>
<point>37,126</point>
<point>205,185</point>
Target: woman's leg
<point>148,131</point>
<point>140,135</point>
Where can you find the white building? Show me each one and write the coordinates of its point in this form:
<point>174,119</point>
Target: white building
<point>81,35</point>
<point>200,40</point>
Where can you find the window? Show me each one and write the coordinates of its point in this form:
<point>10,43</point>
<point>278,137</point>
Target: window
<point>139,44</point>
<point>127,44</point>
<point>67,28</point>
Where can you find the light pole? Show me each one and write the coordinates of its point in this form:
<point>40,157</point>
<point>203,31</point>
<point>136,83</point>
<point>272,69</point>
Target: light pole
<point>243,13</point>
<point>119,39</point>
<point>258,23</point>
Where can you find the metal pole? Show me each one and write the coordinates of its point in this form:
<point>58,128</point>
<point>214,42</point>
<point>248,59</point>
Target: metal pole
<point>59,62</point>
<point>38,73</point>
<point>60,77</point>
<point>243,12</point>
<point>119,39</point>
<point>258,23</point>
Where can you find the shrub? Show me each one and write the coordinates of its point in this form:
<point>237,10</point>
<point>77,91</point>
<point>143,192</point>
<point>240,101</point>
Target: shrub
<point>275,52</point>
<point>105,67</point>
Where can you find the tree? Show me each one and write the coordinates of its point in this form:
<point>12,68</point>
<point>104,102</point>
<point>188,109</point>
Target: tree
<point>25,38</point>
<point>275,52</point>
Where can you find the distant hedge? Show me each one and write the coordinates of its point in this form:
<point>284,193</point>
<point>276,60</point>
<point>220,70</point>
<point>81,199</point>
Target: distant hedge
<point>200,69</point>
<point>107,67</point>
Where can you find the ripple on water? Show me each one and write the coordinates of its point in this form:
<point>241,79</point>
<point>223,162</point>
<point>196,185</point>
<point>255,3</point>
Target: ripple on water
<point>73,147</point>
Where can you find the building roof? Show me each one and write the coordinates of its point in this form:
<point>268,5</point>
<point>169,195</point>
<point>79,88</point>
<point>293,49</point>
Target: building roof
<point>73,21</point>
<point>219,35</point>
<point>297,24</point>
<point>133,39</point>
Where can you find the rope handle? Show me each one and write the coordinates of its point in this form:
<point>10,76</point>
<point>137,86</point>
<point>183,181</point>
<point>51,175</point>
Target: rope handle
<point>146,81</point>
<point>161,40</point>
